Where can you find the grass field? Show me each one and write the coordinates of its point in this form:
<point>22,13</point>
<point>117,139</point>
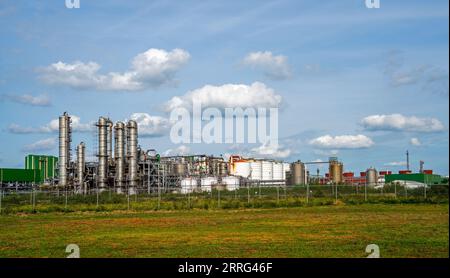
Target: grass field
<point>401,230</point>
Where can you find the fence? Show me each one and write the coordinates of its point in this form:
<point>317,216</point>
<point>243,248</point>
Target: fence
<point>35,200</point>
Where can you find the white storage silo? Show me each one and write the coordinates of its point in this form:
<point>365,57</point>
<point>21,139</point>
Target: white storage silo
<point>242,169</point>
<point>267,170</point>
<point>278,172</point>
<point>188,185</point>
<point>231,182</point>
<point>207,183</point>
<point>256,170</point>
<point>286,168</point>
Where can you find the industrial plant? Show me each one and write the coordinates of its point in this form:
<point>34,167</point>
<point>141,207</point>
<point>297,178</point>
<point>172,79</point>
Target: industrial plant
<point>123,166</point>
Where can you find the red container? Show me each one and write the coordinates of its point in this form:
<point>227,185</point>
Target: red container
<point>428,172</point>
<point>348,174</point>
<point>383,173</point>
<point>404,172</point>
<point>363,174</point>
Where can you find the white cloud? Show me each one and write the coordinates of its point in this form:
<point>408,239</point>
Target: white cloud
<point>41,145</point>
<point>431,78</point>
<point>326,152</point>
<point>228,96</point>
<point>270,151</point>
<point>342,142</point>
<point>398,122</point>
<point>41,100</point>
<point>274,67</point>
<point>150,69</point>
<point>181,150</point>
<point>395,163</point>
<point>151,126</point>
<point>415,142</point>
<point>52,126</point>
<point>409,77</point>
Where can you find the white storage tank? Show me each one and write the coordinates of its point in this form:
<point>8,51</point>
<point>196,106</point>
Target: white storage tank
<point>286,169</point>
<point>188,185</point>
<point>242,169</point>
<point>277,171</point>
<point>231,182</point>
<point>256,170</point>
<point>267,170</point>
<point>206,183</point>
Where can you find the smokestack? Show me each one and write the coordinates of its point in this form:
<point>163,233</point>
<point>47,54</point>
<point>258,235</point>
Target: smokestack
<point>421,166</point>
<point>64,148</point>
<point>102,153</point>
<point>407,160</point>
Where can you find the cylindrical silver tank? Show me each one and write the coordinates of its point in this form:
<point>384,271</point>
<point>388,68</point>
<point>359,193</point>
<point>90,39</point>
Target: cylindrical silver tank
<point>298,173</point>
<point>371,177</point>
<point>119,153</point>
<point>81,166</point>
<point>132,133</point>
<point>102,152</point>
<point>179,169</point>
<point>223,168</point>
<point>64,147</point>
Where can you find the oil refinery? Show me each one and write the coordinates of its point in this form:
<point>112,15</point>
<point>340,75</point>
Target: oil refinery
<point>123,166</point>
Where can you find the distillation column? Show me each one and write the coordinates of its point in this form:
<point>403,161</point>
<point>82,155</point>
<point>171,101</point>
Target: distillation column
<point>64,148</point>
<point>102,153</point>
<point>132,155</point>
<point>119,155</point>
<point>80,168</point>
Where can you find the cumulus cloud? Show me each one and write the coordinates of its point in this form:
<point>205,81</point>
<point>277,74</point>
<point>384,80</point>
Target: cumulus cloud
<point>415,142</point>
<point>273,66</point>
<point>180,150</point>
<point>398,122</point>
<point>150,69</point>
<point>151,126</point>
<point>270,151</point>
<point>41,145</point>
<point>342,142</point>
<point>41,100</point>
<point>228,96</point>
<point>52,127</point>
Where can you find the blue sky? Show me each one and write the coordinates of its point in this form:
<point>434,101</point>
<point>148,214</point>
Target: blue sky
<point>361,84</point>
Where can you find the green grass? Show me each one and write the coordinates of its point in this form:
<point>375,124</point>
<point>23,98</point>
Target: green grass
<point>44,202</point>
<point>400,230</point>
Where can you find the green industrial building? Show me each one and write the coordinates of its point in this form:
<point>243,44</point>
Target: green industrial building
<point>46,165</point>
<point>428,179</point>
<point>38,168</point>
<point>19,175</point>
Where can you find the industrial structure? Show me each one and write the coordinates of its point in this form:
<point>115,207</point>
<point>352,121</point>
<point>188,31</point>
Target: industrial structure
<point>123,166</point>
